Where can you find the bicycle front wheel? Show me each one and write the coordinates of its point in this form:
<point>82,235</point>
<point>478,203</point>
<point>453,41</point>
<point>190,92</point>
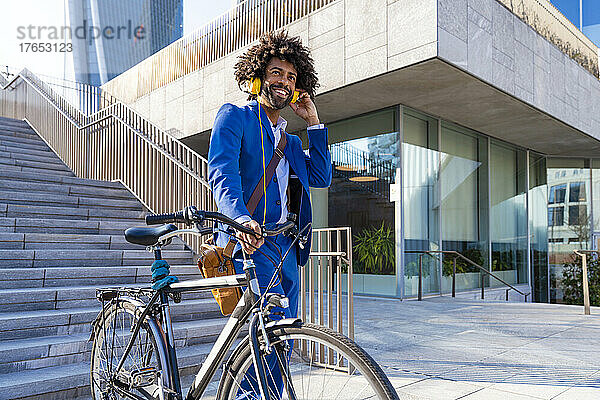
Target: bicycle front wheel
<point>323,364</point>
<point>142,373</point>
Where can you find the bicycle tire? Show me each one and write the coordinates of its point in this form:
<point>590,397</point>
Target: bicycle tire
<point>115,326</point>
<point>367,381</point>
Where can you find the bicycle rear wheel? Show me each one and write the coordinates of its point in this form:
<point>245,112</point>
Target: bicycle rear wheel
<point>317,369</point>
<point>142,373</point>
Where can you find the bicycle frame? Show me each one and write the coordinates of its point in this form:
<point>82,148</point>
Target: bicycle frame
<point>232,329</point>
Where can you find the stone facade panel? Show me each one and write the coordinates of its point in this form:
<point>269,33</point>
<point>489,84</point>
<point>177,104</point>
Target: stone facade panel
<point>523,33</point>
<point>365,65</point>
<point>364,19</point>
<point>413,56</point>
<point>328,63</point>
<point>366,45</point>
<point>326,19</point>
<point>326,38</point>
<point>479,46</point>
<point>452,48</point>
<point>541,47</point>
<point>411,24</point>
<point>503,77</point>
<point>524,67</point>
<point>503,30</point>
<point>483,7</point>
<point>452,17</point>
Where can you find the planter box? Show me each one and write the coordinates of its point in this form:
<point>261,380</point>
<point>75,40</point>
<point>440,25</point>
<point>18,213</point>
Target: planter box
<point>464,281</point>
<point>370,284</point>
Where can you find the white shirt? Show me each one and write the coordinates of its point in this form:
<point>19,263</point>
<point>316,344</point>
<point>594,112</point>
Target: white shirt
<point>282,172</point>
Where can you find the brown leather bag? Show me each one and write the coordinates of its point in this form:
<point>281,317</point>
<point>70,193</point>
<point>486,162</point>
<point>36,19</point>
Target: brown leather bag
<point>216,261</point>
<point>212,262</point>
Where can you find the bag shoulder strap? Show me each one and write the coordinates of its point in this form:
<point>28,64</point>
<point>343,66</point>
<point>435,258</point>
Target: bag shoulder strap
<point>258,192</point>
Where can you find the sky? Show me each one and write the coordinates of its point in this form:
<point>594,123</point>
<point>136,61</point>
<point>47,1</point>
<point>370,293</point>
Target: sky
<point>55,13</point>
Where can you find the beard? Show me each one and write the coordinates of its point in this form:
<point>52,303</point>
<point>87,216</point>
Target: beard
<point>274,100</point>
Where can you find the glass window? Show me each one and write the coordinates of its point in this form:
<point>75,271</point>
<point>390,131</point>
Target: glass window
<point>508,214</point>
<point>569,227</point>
<point>557,194</point>
<point>577,192</point>
<point>556,216</point>
<point>365,155</point>
<point>578,215</point>
<point>464,200</point>
<point>420,167</point>
<point>538,223</point>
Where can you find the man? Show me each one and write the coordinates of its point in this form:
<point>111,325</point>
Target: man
<point>243,142</point>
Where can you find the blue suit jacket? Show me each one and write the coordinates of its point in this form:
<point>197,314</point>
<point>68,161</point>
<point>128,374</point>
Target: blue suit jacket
<point>235,166</point>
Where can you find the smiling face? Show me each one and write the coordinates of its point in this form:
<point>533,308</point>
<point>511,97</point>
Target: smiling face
<point>279,83</point>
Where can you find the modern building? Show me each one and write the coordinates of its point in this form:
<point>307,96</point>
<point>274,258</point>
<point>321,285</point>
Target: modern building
<point>111,36</point>
<point>584,14</point>
<point>470,126</point>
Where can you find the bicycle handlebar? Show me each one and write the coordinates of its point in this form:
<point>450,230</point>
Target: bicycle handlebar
<point>190,215</point>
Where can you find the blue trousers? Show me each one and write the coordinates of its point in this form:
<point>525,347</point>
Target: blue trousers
<point>288,285</point>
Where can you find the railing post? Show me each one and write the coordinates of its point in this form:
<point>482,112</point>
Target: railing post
<point>482,285</point>
<point>586,288</point>
<point>420,295</point>
<point>454,277</point>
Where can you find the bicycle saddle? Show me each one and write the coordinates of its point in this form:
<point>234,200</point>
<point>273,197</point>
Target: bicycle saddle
<point>148,236</point>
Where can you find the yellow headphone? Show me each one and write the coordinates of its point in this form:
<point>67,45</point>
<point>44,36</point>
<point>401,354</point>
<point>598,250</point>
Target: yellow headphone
<point>254,86</point>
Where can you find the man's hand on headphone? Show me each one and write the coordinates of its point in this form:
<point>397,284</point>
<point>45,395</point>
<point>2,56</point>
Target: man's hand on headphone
<point>305,108</point>
<point>247,240</point>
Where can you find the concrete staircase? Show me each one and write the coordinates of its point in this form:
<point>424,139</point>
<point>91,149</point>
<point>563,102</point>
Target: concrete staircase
<point>60,238</point>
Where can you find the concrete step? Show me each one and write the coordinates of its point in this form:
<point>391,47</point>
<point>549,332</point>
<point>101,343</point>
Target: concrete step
<point>50,178</point>
<point>51,225</point>
<point>14,121</point>
<point>19,150</point>
<point>49,158</point>
<point>58,298</point>
<point>41,241</point>
<point>131,217</point>
<point>19,132</point>
<point>6,139</point>
<point>53,351</point>
<point>9,196</point>
<point>64,189</point>
<point>86,258</point>
<point>71,321</point>
<point>104,276</point>
<point>16,142</point>
<point>71,381</point>
<point>48,167</point>
<point>21,136</point>
<point>35,170</point>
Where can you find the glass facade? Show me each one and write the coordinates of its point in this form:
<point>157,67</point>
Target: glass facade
<point>424,186</point>
<point>568,215</point>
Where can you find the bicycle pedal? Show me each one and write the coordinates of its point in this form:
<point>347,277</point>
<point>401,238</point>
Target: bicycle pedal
<point>143,377</point>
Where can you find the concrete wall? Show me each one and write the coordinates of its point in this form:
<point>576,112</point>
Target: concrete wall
<point>485,39</point>
<point>350,40</point>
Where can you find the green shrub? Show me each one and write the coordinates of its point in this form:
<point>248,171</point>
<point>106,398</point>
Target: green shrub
<point>572,282</point>
<point>375,252</point>
<point>462,266</point>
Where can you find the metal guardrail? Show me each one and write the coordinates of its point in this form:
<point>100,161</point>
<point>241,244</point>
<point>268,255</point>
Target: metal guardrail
<point>113,144</point>
<point>458,255</point>
<point>331,250</point>
<point>234,29</point>
<point>584,271</point>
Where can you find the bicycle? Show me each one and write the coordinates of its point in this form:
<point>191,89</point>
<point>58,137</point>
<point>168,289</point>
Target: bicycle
<point>134,356</point>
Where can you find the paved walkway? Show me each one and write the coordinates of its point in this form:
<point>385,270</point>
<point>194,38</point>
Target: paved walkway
<point>444,348</point>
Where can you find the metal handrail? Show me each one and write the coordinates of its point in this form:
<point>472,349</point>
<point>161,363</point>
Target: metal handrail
<point>584,272</point>
<point>457,255</point>
<point>114,143</point>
